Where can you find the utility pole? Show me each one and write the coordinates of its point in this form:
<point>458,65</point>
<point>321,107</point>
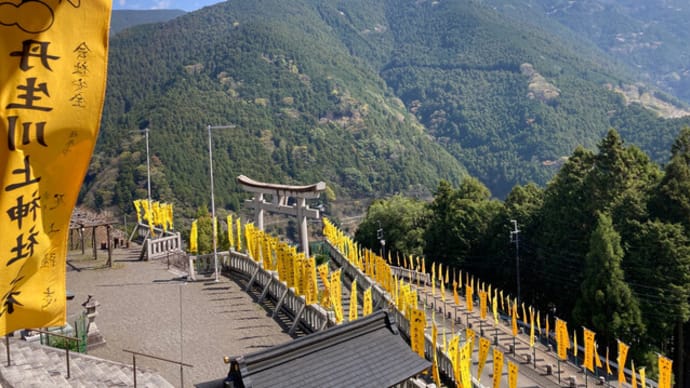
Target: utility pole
<point>514,238</point>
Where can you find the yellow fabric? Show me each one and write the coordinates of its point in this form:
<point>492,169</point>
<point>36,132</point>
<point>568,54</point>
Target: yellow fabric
<point>52,84</point>
<point>512,374</point>
<point>622,355</point>
<point>353,301</point>
<point>498,368</point>
<point>484,345</point>
<point>589,349</point>
<point>194,238</point>
<point>665,371</point>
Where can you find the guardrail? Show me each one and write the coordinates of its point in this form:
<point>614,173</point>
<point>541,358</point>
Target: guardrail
<point>134,364</point>
<point>378,294</point>
<point>162,246</point>
<point>309,317</point>
<point>48,334</point>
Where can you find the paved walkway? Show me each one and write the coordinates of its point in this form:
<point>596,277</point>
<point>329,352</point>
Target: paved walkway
<point>149,309</point>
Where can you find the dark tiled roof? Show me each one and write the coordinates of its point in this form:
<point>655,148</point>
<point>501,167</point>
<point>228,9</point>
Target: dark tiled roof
<point>368,352</point>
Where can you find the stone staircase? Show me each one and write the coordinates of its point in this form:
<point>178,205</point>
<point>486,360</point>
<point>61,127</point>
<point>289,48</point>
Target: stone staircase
<point>35,365</point>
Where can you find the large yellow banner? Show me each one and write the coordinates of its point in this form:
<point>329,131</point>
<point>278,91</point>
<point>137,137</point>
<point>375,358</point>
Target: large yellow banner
<point>484,346</point>
<point>589,349</point>
<point>54,59</point>
<point>512,374</point>
<point>562,339</point>
<point>665,365</point>
<point>498,368</point>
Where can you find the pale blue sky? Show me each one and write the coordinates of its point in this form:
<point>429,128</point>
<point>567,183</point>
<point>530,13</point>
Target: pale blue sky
<point>186,5</point>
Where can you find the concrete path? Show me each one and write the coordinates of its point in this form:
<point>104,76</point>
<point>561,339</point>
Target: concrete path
<point>147,308</point>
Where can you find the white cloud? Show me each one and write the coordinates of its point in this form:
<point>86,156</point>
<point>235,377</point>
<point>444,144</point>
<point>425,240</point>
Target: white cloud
<point>162,4</point>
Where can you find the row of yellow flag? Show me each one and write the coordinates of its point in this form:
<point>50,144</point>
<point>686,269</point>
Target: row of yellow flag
<point>298,271</point>
<point>154,214</point>
<point>405,299</point>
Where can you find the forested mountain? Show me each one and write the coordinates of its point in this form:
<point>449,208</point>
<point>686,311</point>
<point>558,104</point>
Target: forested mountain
<point>371,97</point>
<point>649,35</point>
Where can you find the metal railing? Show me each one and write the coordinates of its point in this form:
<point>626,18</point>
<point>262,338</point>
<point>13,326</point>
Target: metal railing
<point>48,335</point>
<point>134,364</point>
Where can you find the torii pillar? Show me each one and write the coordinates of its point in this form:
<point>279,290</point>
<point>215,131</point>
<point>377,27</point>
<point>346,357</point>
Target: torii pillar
<point>279,203</point>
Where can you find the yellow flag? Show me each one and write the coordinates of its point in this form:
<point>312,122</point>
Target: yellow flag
<point>562,340</point>
<point>137,208</point>
<point>434,339</point>
<point>469,337</point>
<point>484,345</point>
<point>512,374</point>
<point>665,365</point>
<point>417,325</point>
<point>194,238</point>
<point>634,376</point>
<point>524,313</point>
<point>353,301</point>
<point>546,328</point>
<point>597,359</point>
<point>239,234</point>
<point>456,297</point>
<point>494,307</point>
<point>231,240</point>
<point>643,378</point>
<point>336,295</point>
<point>622,355</point>
<point>539,322</point>
<point>513,317</point>
<point>608,366</point>
<point>367,303</point>
<point>465,363</point>
<point>469,291</point>
<point>433,280</point>
<point>531,327</point>
<point>453,350</point>
<point>326,295</point>
<point>589,348</point>
<point>482,304</point>
<point>498,368</point>
<point>52,79</point>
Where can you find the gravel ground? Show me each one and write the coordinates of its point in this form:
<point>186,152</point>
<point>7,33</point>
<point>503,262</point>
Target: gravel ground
<point>149,309</point>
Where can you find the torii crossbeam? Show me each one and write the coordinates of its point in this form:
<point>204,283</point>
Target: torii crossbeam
<point>279,203</point>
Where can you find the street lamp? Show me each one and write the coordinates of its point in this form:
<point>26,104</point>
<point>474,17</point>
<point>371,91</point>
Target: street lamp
<point>514,239</point>
<point>213,203</point>
<point>379,236</point>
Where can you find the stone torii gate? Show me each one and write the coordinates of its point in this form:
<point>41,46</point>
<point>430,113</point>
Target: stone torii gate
<point>279,203</point>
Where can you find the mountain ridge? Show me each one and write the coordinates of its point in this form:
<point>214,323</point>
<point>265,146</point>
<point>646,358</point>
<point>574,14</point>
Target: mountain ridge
<point>372,97</point>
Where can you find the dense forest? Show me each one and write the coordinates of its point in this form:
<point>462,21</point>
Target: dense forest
<point>606,243</point>
<point>373,98</point>
<point>651,36</point>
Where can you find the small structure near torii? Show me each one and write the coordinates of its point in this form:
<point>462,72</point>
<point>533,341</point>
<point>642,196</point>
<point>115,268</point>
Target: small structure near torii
<point>280,195</point>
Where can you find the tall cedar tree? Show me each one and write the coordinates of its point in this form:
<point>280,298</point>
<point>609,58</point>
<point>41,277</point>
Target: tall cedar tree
<point>606,304</point>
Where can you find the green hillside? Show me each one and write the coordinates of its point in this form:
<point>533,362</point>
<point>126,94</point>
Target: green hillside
<point>650,35</point>
<point>371,97</point>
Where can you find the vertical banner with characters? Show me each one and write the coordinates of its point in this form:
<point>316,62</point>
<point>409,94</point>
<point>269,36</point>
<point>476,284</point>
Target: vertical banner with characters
<point>54,56</point>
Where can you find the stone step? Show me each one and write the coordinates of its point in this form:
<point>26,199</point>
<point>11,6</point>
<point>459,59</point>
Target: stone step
<point>35,365</point>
